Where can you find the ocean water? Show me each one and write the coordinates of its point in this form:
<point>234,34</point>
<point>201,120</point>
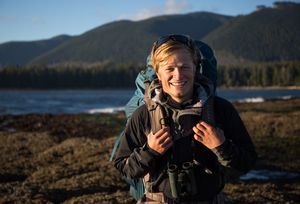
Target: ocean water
<point>105,101</point>
<point>265,174</point>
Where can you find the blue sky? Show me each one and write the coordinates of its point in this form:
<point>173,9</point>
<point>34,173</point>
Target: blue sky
<point>25,20</point>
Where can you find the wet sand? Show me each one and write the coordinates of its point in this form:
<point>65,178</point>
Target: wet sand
<point>65,158</point>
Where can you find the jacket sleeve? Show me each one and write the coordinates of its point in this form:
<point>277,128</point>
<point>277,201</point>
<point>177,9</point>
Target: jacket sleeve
<point>237,152</point>
<point>134,158</point>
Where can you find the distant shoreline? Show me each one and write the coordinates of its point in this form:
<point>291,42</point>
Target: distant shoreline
<point>260,87</point>
<point>133,88</point>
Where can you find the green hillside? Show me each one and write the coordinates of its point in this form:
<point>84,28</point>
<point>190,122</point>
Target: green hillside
<point>129,41</point>
<point>267,35</point>
<point>23,52</point>
<point>271,34</point>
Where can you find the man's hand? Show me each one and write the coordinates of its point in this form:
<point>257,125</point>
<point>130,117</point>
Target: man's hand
<point>208,135</point>
<point>160,141</point>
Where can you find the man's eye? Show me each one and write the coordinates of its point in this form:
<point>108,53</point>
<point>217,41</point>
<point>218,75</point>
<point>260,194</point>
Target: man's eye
<point>186,68</point>
<point>170,69</point>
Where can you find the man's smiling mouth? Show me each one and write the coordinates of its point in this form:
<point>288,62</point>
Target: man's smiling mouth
<point>178,84</point>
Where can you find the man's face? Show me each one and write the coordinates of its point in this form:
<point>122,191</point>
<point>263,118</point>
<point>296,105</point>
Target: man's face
<point>177,74</point>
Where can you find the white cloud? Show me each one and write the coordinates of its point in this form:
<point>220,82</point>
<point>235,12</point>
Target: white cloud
<point>142,14</point>
<point>8,18</point>
<point>170,7</point>
<point>145,13</point>
<point>173,6</point>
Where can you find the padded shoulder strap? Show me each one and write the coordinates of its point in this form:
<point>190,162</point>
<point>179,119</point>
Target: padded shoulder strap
<point>156,111</point>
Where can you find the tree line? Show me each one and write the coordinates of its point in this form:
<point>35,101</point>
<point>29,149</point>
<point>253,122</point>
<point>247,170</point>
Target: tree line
<point>260,74</point>
<point>110,75</point>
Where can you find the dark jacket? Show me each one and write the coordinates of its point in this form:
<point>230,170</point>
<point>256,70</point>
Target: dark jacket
<point>134,159</point>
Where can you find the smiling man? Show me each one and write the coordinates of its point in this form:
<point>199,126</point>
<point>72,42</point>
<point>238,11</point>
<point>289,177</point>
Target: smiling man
<point>176,74</point>
<point>185,159</point>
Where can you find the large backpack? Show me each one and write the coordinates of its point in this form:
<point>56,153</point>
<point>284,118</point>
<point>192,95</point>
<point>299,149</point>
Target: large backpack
<point>208,68</point>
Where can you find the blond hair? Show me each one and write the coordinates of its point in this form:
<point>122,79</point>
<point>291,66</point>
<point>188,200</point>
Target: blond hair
<point>159,54</point>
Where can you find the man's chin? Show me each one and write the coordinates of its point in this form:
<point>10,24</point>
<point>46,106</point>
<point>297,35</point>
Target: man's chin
<point>180,92</point>
<point>179,95</point>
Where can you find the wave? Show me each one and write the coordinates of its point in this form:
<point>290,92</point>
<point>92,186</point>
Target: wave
<point>105,110</point>
<point>122,108</point>
<point>252,100</point>
<point>286,97</point>
<point>262,99</point>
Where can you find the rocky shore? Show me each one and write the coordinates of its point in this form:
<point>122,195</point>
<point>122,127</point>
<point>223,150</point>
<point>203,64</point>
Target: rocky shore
<point>65,158</point>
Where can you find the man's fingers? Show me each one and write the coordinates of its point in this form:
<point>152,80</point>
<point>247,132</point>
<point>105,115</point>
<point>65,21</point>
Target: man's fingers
<point>161,139</point>
<point>198,138</point>
<point>201,127</point>
<point>161,131</point>
<point>205,125</point>
<point>199,131</point>
<point>167,143</point>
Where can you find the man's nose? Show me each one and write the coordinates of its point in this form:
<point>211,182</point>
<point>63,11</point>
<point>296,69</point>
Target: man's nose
<point>177,73</point>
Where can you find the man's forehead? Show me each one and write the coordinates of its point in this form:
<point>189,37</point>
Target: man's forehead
<point>176,62</point>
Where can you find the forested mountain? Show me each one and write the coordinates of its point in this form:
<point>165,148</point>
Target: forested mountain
<point>129,41</point>
<point>270,34</point>
<point>266,35</point>
<point>23,52</point>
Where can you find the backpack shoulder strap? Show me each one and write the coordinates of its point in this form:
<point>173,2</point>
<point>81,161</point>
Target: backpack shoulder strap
<point>156,111</point>
<point>157,121</point>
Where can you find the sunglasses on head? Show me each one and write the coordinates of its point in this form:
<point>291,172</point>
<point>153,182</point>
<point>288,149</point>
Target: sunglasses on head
<point>184,39</point>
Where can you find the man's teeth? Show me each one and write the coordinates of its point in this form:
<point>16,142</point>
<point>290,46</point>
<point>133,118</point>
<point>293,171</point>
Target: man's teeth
<point>178,83</point>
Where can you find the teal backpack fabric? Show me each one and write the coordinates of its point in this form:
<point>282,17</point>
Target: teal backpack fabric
<point>208,68</point>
